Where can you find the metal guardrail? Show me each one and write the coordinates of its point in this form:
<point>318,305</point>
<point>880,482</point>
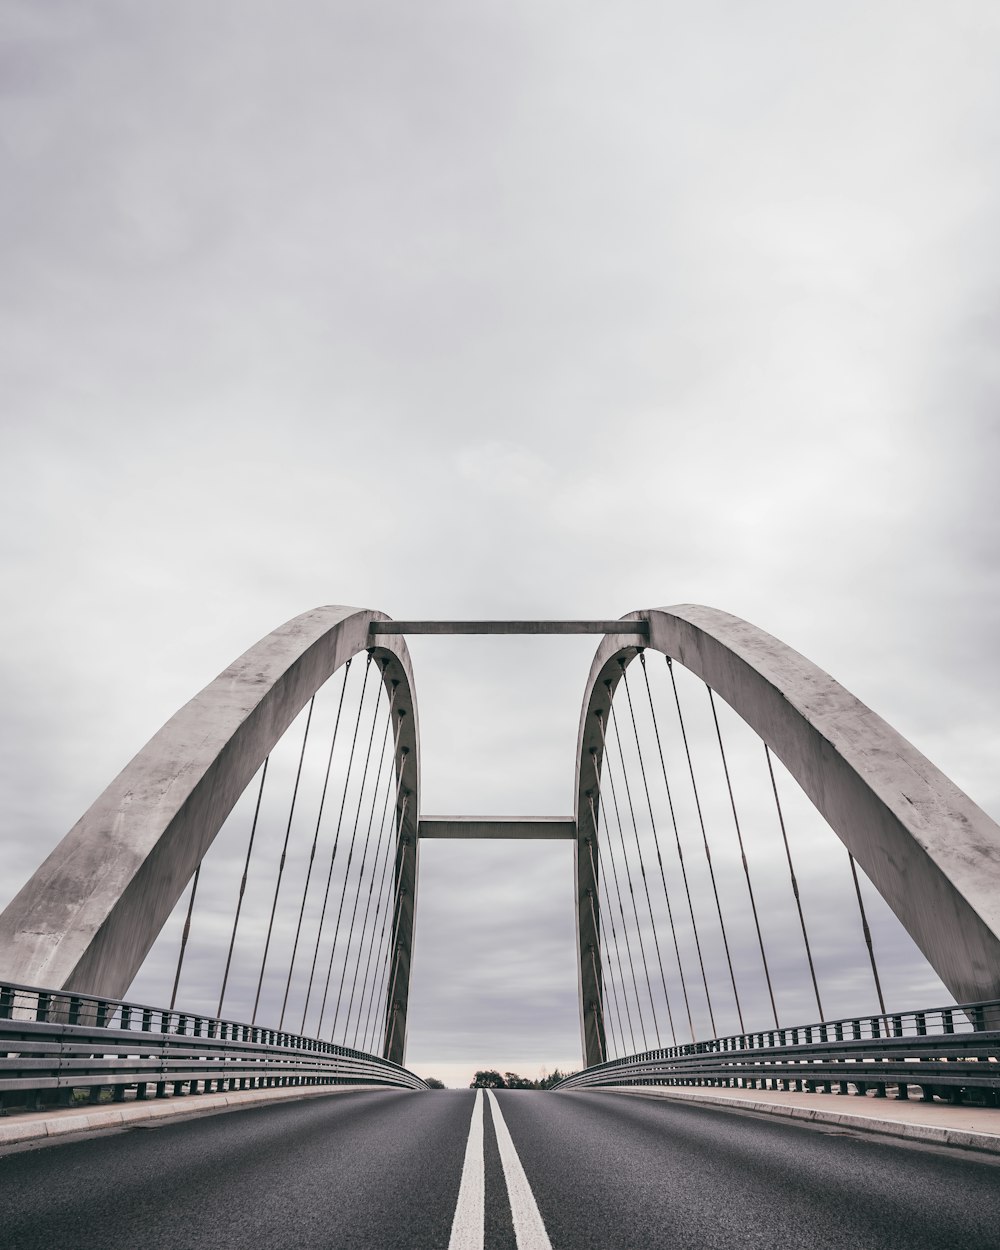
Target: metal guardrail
<point>54,1042</point>
<point>948,1052</point>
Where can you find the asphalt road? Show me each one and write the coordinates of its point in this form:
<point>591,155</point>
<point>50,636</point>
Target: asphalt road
<point>384,1170</point>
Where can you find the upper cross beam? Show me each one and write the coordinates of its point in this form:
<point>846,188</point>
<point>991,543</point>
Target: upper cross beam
<point>631,629</point>
<point>536,828</point>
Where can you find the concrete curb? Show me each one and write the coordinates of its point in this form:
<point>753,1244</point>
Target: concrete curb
<point>35,1126</point>
<point>988,1143</point>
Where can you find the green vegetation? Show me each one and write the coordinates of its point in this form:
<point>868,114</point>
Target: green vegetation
<point>488,1078</point>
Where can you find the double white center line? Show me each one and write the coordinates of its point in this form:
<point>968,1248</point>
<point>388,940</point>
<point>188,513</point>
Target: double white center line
<point>468,1226</point>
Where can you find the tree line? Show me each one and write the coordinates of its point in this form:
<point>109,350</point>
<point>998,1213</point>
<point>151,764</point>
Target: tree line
<point>489,1078</point>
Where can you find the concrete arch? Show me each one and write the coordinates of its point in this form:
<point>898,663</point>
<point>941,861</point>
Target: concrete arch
<point>87,918</point>
<point>930,851</point>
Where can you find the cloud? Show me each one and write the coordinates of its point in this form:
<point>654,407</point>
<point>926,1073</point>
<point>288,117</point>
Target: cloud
<point>503,468</point>
<point>498,312</point>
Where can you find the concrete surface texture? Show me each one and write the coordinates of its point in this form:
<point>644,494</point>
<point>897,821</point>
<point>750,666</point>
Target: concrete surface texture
<point>88,916</point>
<point>932,853</point>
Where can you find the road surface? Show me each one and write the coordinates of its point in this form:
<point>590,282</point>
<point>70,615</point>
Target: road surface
<point>388,1170</point>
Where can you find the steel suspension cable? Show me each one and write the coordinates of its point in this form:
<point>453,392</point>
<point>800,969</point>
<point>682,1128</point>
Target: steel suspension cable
<point>659,856</point>
<point>609,1017</point>
<point>598,980</point>
<point>704,838</point>
<point>357,895</point>
<point>389,919</point>
<point>312,852</point>
<point>371,1020</point>
<point>336,842</point>
<point>243,887</point>
<point>795,884</point>
<point>628,870</point>
<point>867,934</point>
<point>381,974</point>
<point>383,829</point>
<point>677,840</point>
<point>597,1009</point>
<point>391,1006</point>
<point>642,868</point>
<point>614,936</point>
<point>392,944</point>
<point>608,973</point>
<point>395,1010</point>
<point>397,951</point>
<point>383,900</point>
<point>350,856</point>
<point>184,936</point>
<point>621,906</point>
<point>743,856</point>
<point>281,862</point>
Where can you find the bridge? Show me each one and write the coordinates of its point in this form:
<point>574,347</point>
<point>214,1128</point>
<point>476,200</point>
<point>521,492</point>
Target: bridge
<point>705,954</point>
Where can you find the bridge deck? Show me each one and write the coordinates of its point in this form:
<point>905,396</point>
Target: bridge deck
<point>389,1169</point>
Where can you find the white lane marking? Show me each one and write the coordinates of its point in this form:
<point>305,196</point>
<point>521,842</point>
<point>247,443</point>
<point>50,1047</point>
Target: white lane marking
<point>528,1227</point>
<point>469,1225</point>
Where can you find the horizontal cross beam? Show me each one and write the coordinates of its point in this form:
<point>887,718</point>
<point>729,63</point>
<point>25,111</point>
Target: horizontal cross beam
<point>638,629</point>
<point>486,827</point>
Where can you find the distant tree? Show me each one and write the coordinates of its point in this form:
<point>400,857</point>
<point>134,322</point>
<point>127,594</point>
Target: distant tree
<point>553,1078</point>
<point>488,1079</point>
<point>433,1083</point>
<point>519,1082</point>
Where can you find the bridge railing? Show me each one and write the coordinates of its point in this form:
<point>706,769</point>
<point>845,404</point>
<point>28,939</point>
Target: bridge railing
<point>944,1051</point>
<point>53,1043</point>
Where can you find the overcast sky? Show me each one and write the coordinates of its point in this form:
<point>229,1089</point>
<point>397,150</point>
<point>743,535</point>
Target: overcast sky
<point>481,309</point>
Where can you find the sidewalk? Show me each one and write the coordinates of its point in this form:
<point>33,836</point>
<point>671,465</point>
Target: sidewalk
<point>972,1128</point>
<point>25,1126</point>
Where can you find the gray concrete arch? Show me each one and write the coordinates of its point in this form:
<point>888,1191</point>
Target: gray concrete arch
<point>88,916</point>
<point>932,853</point>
